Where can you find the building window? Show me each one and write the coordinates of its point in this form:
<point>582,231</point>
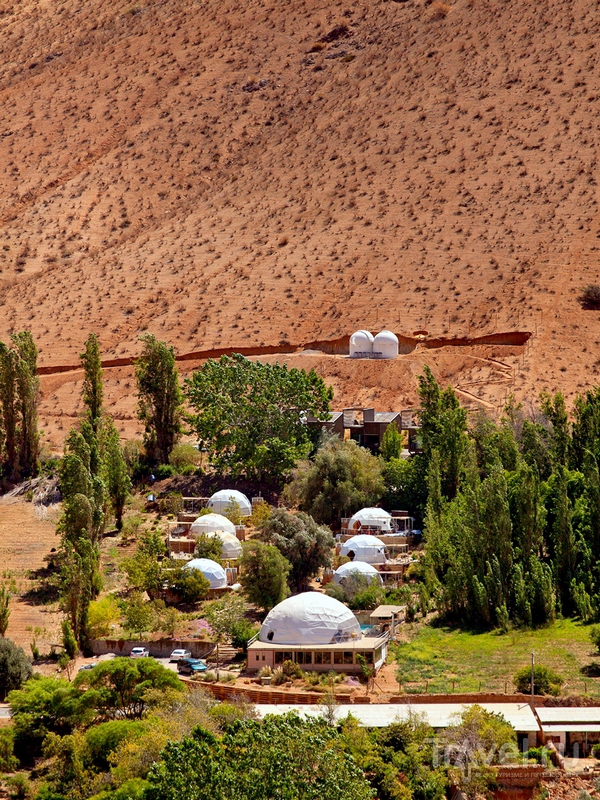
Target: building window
<point>366,654</point>
<point>303,658</point>
<point>263,658</point>
<point>348,658</point>
<point>257,657</point>
<point>377,654</point>
<point>338,657</point>
<point>322,658</point>
<point>278,657</point>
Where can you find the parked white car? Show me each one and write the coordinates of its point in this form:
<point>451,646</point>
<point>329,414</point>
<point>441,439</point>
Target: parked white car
<point>179,653</point>
<point>139,652</point>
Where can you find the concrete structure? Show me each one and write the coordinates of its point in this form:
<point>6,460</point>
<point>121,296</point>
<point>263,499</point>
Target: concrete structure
<point>367,426</point>
<point>212,571</point>
<point>220,500</point>
<point>360,568</point>
<point>361,344</point>
<point>364,548</point>
<point>573,730</point>
<point>385,345</point>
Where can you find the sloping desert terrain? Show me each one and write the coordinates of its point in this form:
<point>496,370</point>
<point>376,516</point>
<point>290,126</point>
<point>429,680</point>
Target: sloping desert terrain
<point>276,175</point>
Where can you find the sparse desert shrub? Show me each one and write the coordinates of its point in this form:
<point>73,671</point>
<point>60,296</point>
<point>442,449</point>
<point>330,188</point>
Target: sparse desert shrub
<point>439,10</point>
<point>590,296</point>
<point>265,672</point>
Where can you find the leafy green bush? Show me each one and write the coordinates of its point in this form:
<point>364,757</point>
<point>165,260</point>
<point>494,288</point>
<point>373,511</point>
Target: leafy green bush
<point>595,636</point>
<point>8,761</point>
<point>103,739</point>
<point>190,584</point>
<point>545,680</point>
<point>185,456</point>
<point>101,616</point>
<point>596,751</point>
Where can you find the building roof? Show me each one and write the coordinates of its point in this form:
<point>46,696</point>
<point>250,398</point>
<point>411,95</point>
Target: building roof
<point>386,416</point>
<point>438,715</point>
<point>568,715</point>
<point>385,612</point>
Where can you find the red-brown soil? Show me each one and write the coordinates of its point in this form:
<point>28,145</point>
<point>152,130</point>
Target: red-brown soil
<point>255,175</point>
<point>26,538</point>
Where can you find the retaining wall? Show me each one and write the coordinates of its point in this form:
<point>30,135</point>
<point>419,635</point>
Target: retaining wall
<point>161,648</point>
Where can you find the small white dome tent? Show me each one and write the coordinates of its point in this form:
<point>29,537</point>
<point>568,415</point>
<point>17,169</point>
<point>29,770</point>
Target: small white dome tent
<point>370,516</point>
<point>309,618</point>
<point>230,545</point>
<point>356,568</point>
<point>211,570</point>
<point>364,548</point>
<point>221,499</point>
<point>361,344</point>
<point>385,345</point>
<point>210,523</point>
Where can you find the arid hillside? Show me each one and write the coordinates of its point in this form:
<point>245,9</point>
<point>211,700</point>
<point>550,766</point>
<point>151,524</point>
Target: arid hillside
<point>231,175</point>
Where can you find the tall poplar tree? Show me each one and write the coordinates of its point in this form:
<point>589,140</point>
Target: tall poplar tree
<point>160,399</point>
<point>93,389</point>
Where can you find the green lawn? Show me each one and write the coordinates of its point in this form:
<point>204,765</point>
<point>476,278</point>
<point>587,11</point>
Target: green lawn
<point>446,660</point>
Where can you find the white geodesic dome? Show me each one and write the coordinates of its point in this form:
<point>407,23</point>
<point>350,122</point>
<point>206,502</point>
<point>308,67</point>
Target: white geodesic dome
<point>385,345</point>
<point>356,568</point>
<point>210,523</point>
<point>371,516</point>
<point>221,499</point>
<point>309,618</point>
<point>365,548</point>
<point>230,545</point>
<point>361,344</point>
<point>211,570</point>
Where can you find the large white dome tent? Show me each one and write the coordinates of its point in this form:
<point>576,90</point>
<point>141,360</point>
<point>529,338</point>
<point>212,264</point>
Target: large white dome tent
<point>364,548</point>
<point>370,516</point>
<point>223,498</point>
<point>230,545</point>
<point>385,345</point>
<point>361,344</point>
<point>360,568</point>
<point>309,618</point>
<point>212,571</point>
<point>210,523</point>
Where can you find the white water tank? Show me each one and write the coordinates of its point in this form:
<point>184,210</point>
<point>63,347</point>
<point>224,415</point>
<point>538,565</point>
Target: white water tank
<point>361,344</point>
<point>385,345</point>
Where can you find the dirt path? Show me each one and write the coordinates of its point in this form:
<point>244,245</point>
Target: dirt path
<point>25,540</point>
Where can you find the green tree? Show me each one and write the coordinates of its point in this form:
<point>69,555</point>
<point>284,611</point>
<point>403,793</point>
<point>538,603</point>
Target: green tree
<point>119,686</point>
<point>209,547</point>
<point>264,574</point>
<point>190,584</point>
<point>5,596</point>
<point>15,667</point>
<point>391,443</point>
<point>342,478</point>
<point>19,389</point>
<point>251,417</point>
<point>545,680</point>
<point>226,617</point>
<point>443,428</point>
<point>102,614</point>
<point>279,757</point>
<point>93,389</point>
<point>159,398</point>
<point>138,614</point>
<point>405,481</point>
<point>306,545</point>
<point>114,471</point>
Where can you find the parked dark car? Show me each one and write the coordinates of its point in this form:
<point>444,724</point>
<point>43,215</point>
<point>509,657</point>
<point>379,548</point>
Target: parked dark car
<point>191,666</point>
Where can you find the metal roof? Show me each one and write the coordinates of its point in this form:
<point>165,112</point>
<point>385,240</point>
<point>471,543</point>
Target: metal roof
<point>438,715</point>
<point>571,728</point>
<point>566,715</point>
